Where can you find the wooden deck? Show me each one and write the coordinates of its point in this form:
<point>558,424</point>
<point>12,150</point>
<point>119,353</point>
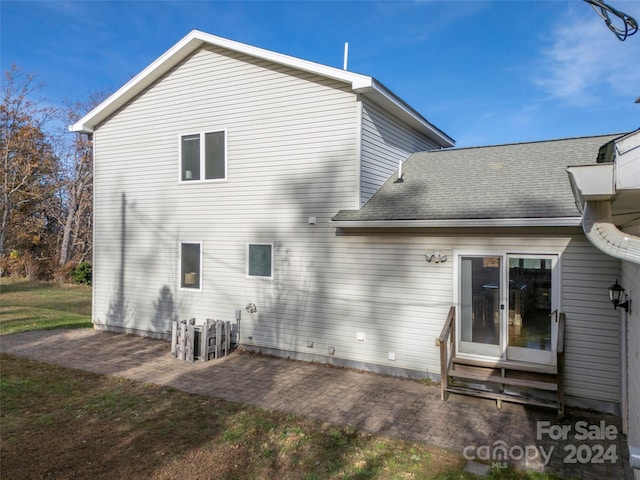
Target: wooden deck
<point>503,381</point>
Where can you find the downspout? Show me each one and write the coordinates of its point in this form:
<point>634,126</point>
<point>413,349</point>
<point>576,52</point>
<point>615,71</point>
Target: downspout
<point>601,184</point>
<point>600,230</point>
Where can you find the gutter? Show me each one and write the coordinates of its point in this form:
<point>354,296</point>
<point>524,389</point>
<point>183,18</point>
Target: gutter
<point>462,223</point>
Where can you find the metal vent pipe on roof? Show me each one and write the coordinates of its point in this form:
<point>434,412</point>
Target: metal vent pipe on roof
<point>346,55</point>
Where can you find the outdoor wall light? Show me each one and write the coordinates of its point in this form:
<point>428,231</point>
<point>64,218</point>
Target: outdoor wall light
<point>435,257</point>
<point>615,295</point>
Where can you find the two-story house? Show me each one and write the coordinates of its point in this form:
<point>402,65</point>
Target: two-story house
<point>227,175</point>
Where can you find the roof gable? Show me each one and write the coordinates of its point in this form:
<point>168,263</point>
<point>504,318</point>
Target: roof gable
<point>360,84</point>
<point>526,181</point>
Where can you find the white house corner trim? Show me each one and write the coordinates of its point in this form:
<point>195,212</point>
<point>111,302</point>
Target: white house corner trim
<point>359,120</point>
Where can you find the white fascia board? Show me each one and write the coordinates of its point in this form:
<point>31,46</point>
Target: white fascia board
<point>355,79</point>
<point>461,223</point>
<point>195,39</point>
<point>628,142</point>
<point>190,43</point>
<point>138,83</point>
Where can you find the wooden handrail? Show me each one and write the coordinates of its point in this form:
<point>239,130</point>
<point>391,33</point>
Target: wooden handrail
<point>446,329</point>
<point>446,337</point>
<point>447,343</point>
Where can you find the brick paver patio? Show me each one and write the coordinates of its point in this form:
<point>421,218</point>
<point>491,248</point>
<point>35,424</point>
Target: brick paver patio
<point>374,403</point>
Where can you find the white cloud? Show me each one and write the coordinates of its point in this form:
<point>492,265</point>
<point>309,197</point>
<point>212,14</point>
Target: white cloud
<point>583,63</point>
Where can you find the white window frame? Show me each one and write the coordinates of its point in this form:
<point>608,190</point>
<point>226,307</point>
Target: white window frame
<point>270,277</point>
<point>200,275</point>
<point>202,134</point>
<point>505,254</point>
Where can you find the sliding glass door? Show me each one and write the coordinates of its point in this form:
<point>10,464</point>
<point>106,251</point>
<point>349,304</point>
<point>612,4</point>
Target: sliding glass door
<point>533,312</point>
<point>507,306</point>
<point>480,299</point>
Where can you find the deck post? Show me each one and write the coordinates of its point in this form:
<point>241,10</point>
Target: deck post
<point>560,363</point>
<point>444,377</point>
<point>446,345</point>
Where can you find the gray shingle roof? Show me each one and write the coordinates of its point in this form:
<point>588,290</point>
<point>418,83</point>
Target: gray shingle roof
<point>525,180</point>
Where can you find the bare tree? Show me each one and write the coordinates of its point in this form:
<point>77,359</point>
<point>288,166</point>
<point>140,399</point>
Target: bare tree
<point>27,162</point>
<point>76,187</point>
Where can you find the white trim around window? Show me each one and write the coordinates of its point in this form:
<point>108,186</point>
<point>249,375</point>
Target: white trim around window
<point>202,156</point>
<point>190,266</point>
<point>260,260</point>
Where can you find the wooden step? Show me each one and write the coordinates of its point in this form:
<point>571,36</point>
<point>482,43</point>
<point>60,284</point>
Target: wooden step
<point>493,378</point>
<point>507,365</point>
<point>543,381</point>
<point>538,402</point>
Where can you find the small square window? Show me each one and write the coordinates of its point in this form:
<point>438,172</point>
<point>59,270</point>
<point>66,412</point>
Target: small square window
<point>190,265</point>
<point>203,156</point>
<point>260,260</point>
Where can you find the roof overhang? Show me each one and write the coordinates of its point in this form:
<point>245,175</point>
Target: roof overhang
<point>609,190</point>
<point>384,97</point>
<point>361,84</point>
<point>592,182</point>
<point>617,182</point>
<point>461,223</point>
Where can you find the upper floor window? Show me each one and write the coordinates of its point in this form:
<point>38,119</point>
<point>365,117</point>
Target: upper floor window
<point>203,156</point>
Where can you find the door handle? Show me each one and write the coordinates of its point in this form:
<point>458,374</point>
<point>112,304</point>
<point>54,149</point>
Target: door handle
<point>554,314</point>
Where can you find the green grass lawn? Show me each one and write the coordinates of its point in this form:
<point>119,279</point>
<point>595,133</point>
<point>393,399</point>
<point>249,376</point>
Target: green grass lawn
<point>63,423</point>
<point>43,305</point>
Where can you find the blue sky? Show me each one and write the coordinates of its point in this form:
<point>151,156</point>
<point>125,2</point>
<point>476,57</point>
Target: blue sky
<point>485,72</point>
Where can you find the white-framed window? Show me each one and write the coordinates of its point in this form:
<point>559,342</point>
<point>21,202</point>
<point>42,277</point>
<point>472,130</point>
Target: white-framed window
<point>190,265</point>
<point>260,260</point>
<point>203,156</point>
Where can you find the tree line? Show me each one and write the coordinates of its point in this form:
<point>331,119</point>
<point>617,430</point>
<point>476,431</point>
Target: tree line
<point>46,201</point>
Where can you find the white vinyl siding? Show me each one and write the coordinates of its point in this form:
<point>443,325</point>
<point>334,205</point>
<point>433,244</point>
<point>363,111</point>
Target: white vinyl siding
<point>291,154</point>
<point>385,283</point>
<point>630,280</point>
<point>385,142</point>
<point>592,334</point>
<point>293,147</point>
